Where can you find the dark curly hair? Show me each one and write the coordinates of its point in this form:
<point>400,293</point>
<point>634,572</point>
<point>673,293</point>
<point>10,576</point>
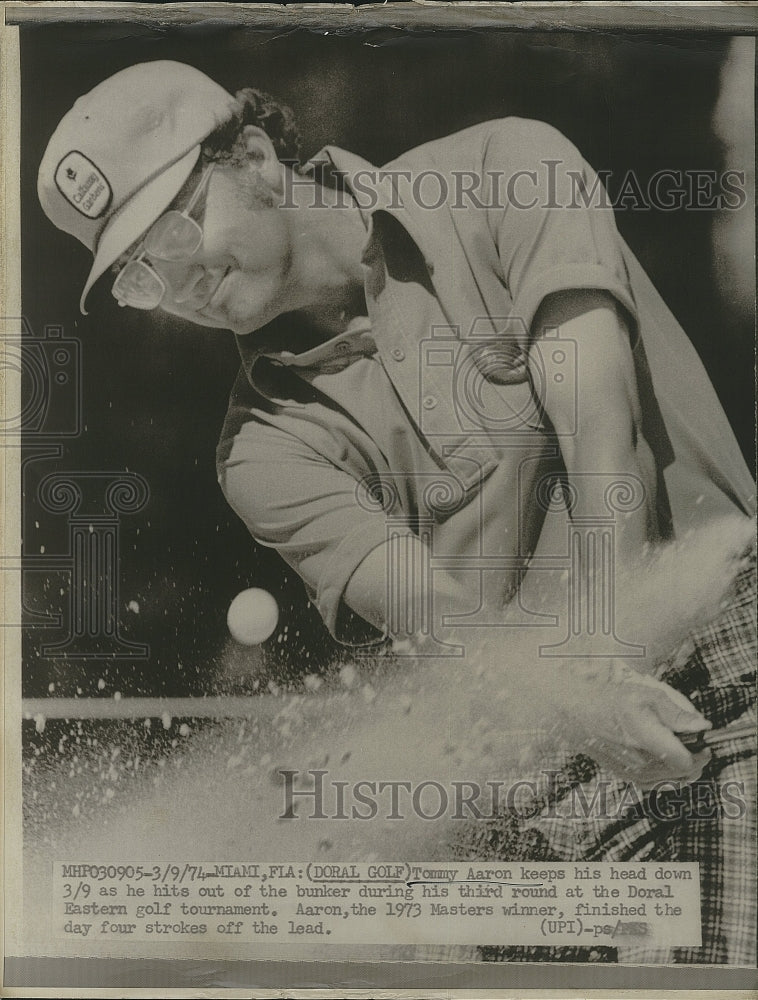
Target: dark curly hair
<point>255,108</point>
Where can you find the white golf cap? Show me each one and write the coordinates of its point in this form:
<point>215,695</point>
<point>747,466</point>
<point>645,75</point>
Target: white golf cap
<point>122,153</point>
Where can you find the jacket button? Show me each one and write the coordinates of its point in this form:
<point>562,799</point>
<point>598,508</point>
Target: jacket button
<point>429,402</point>
<point>343,347</point>
<point>398,354</point>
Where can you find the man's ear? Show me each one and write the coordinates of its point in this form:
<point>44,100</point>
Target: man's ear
<point>262,155</point>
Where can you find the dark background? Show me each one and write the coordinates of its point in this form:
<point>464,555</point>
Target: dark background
<point>154,393</point>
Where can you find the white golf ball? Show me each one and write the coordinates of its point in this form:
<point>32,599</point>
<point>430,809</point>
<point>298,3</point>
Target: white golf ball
<point>252,616</point>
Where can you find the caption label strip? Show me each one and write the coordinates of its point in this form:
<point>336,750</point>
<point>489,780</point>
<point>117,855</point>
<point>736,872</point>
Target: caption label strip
<point>519,903</point>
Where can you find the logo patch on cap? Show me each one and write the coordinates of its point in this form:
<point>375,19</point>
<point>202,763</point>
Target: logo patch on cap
<point>83,185</point>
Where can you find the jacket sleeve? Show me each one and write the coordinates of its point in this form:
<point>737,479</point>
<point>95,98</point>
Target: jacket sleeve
<point>553,226</point>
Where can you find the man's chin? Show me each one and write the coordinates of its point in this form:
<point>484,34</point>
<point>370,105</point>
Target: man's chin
<point>245,326</point>
<point>226,324</point>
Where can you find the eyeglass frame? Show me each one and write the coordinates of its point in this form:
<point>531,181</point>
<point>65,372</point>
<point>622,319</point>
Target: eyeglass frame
<point>141,251</point>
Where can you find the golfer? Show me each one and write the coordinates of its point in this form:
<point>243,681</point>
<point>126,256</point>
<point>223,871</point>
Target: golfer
<point>434,343</point>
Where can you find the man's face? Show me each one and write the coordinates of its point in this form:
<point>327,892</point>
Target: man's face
<point>240,278</point>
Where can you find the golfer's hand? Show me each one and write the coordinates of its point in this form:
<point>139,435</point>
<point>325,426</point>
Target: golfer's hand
<point>626,722</point>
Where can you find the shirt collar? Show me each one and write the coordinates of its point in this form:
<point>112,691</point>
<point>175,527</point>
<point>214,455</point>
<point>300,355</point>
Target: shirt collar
<point>335,354</point>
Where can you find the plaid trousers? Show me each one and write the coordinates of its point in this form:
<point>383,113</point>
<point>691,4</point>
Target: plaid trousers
<point>716,669</point>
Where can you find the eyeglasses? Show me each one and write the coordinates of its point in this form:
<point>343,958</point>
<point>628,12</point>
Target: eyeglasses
<point>172,237</point>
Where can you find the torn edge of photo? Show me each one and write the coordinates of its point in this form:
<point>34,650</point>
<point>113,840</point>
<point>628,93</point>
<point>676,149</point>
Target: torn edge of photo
<point>378,527</point>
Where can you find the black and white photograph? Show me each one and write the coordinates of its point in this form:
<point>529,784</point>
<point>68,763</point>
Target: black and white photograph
<point>379,559</point>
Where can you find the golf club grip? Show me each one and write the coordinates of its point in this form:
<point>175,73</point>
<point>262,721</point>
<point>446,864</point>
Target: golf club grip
<point>712,737</point>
